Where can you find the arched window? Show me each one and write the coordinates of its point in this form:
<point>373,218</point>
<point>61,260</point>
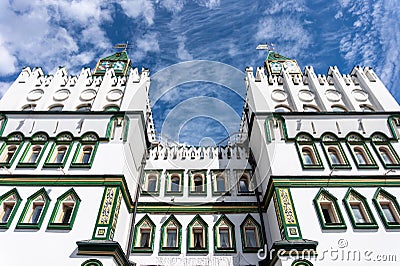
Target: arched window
<point>85,151</point>
<point>386,156</point>
<point>383,147</point>
<point>220,183</point>
<point>175,183</point>
<point>334,156</point>
<point>151,183</point>
<point>34,150</point>
<point>144,235</point>
<point>9,203</point>
<point>360,151</point>
<point>308,157</point>
<point>334,151</point>
<point>10,149</point>
<point>307,151</point>
<point>56,108</point>
<point>65,211</point>
<point>84,108</point>
<point>59,151</point>
<point>197,182</point>
<point>244,184</point>
<point>360,155</point>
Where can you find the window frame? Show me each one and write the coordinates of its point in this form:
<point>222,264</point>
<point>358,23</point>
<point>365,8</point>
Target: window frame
<point>63,139</point>
<point>223,220</point>
<point>91,262</point>
<point>22,224</point>
<point>58,208</point>
<point>39,139</point>
<point>18,201</point>
<point>13,139</point>
<point>214,175</point>
<point>248,175</point>
<point>306,141</point>
<point>247,222</point>
<point>356,141</point>
<point>325,196</point>
<point>168,182</point>
<point>90,139</point>
<point>146,175</point>
<point>394,207</point>
<point>330,141</point>
<point>198,222</point>
<point>163,236</point>
<point>366,211</point>
<point>192,188</point>
<point>137,238</point>
<point>378,141</point>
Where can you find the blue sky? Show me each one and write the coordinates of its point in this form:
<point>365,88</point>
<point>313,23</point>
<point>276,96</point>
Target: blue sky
<point>321,33</point>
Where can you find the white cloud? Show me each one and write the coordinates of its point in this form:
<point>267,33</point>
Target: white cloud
<point>8,61</point>
<point>173,5</point>
<point>208,3</point>
<point>339,14</point>
<point>146,43</point>
<point>182,53</point>
<point>139,8</point>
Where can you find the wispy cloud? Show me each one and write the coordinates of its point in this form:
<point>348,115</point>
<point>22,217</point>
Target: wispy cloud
<point>145,44</point>
<point>139,8</point>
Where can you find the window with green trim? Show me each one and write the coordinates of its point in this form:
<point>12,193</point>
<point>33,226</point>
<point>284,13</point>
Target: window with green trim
<point>86,150</point>
<point>174,183</point>
<point>151,182</point>
<point>307,151</point>
<point>388,208</point>
<point>144,236</point>
<point>59,151</point>
<point>10,148</point>
<point>197,235</point>
<point>171,236</point>
<point>224,235</point>
<point>334,152</point>
<point>65,211</point>
<point>302,262</point>
<point>385,151</point>
<point>34,150</point>
<point>358,210</point>
<point>245,183</point>
<point>251,234</point>
<point>220,184</point>
<point>328,211</point>
<point>360,152</point>
<point>197,183</point>
<point>92,262</point>
<point>34,211</point>
<point>9,203</point>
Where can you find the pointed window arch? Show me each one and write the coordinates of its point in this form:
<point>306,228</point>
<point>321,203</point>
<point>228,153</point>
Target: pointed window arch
<point>34,150</point>
<point>197,183</point>
<point>9,203</point>
<point>360,152</point>
<point>144,236</point>
<point>251,234</point>
<point>358,210</point>
<point>34,211</point>
<point>308,153</point>
<point>60,150</point>
<point>388,208</point>
<point>334,152</point>
<point>65,211</point>
<point>328,211</point>
<point>385,151</point>
<point>171,236</point>
<point>86,150</point>
<point>10,149</point>
<point>197,235</point>
<point>224,235</point>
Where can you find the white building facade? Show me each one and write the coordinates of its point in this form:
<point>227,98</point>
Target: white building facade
<point>311,181</point>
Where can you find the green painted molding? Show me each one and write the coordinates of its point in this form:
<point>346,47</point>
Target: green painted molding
<point>309,144</point>
<point>336,144</point>
<point>25,225</point>
<point>136,239</point>
<point>165,249</point>
<point>23,164</point>
<point>246,249</point>
<point>12,140</point>
<point>191,249</point>
<point>325,226</point>
<point>192,174</point>
<point>96,248</point>
<point>270,119</point>
<point>231,226</point>
<point>92,262</point>
<point>389,147</point>
<point>18,199</point>
<point>302,262</point>
<point>81,144</point>
<point>368,225</point>
<point>393,200</point>
<point>168,175</point>
<point>49,164</point>
<point>64,226</point>
<point>144,182</point>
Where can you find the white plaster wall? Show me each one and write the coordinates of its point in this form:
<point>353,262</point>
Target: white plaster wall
<point>122,229</point>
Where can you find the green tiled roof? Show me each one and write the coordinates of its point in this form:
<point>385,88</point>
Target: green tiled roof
<point>117,56</point>
<point>276,56</point>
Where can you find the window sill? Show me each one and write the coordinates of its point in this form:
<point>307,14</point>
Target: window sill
<point>197,250</point>
<point>59,226</point>
<point>142,250</point>
<point>80,165</point>
<point>27,165</point>
<point>251,249</point>
<point>27,226</point>
<point>224,250</point>
<point>170,250</point>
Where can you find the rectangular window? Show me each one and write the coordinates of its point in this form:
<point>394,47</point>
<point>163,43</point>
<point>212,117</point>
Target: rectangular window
<point>328,212</point>
<point>6,211</point>
<point>171,238</point>
<point>66,213</point>
<point>224,241</point>
<point>251,240</point>
<point>198,238</point>
<point>359,213</point>
<point>389,212</point>
<point>145,238</point>
<point>36,212</point>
